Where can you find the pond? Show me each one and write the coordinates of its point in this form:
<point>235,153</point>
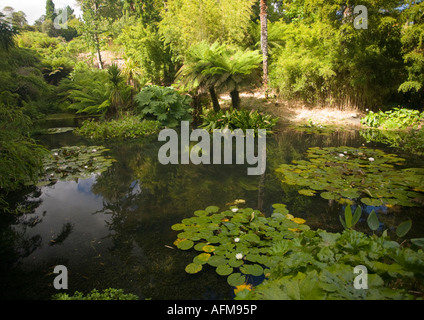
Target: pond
<point>113,229</point>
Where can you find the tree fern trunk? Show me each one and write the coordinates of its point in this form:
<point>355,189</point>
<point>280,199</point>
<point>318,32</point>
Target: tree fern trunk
<point>214,97</point>
<point>235,98</point>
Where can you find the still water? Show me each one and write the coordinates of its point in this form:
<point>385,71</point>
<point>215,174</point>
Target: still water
<point>113,230</point>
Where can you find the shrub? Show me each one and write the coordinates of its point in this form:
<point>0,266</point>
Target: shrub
<point>237,119</point>
<point>107,294</point>
<point>164,104</point>
<point>398,118</point>
<point>125,128</point>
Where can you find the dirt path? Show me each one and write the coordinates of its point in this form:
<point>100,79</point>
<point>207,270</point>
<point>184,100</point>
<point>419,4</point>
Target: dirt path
<point>293,113</point>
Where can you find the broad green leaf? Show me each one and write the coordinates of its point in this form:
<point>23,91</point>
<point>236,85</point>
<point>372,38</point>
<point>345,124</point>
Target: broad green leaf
<point>236,279</point>
<point>253,269</point>
<point>356,215</point>
<point>212,209</point>
<point>418,241</point>
<point>193,268</point>
<point>403,228</point>
<point>178,227</point>
<point>224,270</point>
<point>348,216</point>
<point>373,221</point>
<point>185,244</point>
<point>216,261</point>
<point>201,258</point>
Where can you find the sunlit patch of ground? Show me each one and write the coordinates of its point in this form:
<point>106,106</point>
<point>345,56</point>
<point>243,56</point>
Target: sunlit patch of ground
<point>297,113</point>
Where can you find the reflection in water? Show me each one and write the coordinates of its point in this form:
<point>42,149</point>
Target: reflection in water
<point>113,229</point>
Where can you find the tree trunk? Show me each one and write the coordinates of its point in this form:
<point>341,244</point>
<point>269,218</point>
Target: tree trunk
<point>235,98</point>
<point>264,43</point>
<point>99,55</point>
<point>215,101</point>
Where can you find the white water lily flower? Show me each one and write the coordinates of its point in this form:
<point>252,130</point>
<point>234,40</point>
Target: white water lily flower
<point>341,155</point>
<point>371,159</point>
<point>237,240</point>
<point>234,209</point>
<point>239,256</point>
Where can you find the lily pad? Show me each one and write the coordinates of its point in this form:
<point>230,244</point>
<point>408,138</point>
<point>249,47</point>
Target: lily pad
<point>352,173</point>
<point>307,192</point>
<point>193,268</point>
<point>253,269</point>
<point>185,244</point>
<point>202,258</point>
<point>224,270</point>
<point>236,279</point>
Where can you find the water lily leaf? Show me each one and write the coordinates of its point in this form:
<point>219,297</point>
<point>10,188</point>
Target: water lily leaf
<point>212,209</point>
<point>307,192</point>
<point>178,227</point>
<point>224,270</point>
<point>236,279</point>
<point>372,202</point>
<point>253,269</point>
<point>208,248</point>
<point>329,195</point>
<point>235,263</point>
<point>200,213</point>
<point>185,244</point>
<point>216,261</point>
<point>201,258</point>
<point>193,268</point>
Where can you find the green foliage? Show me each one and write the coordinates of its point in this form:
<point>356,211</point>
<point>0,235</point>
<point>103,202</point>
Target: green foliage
<point>395,119</point>
<point>221,68</point>
<point>107,294</point>
<point>20,156</point>
<point>346,173</point>
<point>186,23</point>
<point>6,35</point>
<point>146,53</point>
<point>298,263</point>
<point>238,242</point>
<point>324,60</point>
<point>413,53</point>
<point>70,163</point>
<point>411,141</point>
<point>50,14</point>
<point>349,219</point>
<point>127,127</point>
<point>237,119</point>
<point>94,91</point>
<point>164,104</point>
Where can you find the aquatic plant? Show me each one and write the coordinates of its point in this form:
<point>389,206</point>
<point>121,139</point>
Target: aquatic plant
<point>128,127</point>
<point>395,119</point>
<point>237,119</point>
<point>69,163</point>
<point>345,173</point>
<point>238,242</point>
<point>297,262</point>
<point>107,294</point>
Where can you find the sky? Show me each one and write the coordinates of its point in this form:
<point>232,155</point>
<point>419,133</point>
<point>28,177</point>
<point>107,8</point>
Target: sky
<point>34,9</point>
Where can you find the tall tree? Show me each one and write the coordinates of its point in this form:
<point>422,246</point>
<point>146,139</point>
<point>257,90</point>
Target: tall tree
<point>91,14</point>
<point>264,42</point>
<point>50,8</point>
